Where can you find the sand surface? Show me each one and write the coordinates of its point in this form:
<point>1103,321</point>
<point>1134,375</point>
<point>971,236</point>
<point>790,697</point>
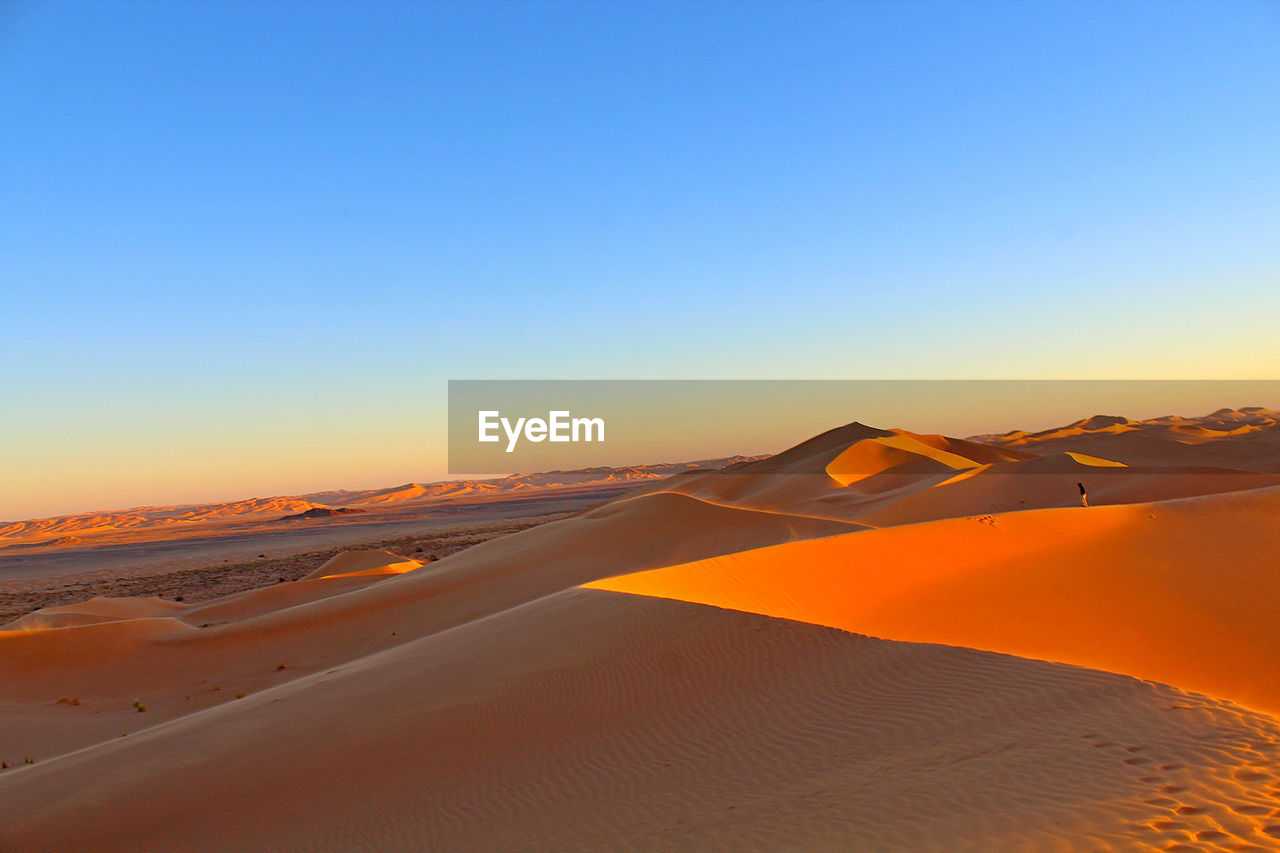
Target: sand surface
<point>874,641</point>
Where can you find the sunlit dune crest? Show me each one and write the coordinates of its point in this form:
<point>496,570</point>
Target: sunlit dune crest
<point>902,451</point>
<point>353,563</point>
<point>875,640</point>
<point>1094,461</point>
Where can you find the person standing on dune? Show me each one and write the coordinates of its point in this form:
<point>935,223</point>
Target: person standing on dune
<point>1084,496</point>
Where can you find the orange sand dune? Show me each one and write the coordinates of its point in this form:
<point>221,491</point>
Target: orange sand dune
<point>585,722</point>
<point>85,523</point>
<point>840,474</point>
<point>1180,591</point>
<point>252,506</point>
<point>888,477</point>
<point>272,599</point>
<point>95,610</point>
<point>1247,438</point>
<point>351,563</point>
<point>409,492</point>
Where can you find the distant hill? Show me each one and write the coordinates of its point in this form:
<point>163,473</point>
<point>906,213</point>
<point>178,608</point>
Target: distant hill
<point>322,512</point>
<point>29,533</point>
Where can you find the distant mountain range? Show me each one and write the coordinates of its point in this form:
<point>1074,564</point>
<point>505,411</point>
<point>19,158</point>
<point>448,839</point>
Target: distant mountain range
<point>57,531</point>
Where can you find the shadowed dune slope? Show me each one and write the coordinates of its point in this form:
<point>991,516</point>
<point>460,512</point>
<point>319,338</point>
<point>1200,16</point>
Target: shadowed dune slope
<point>587,721</point>
<point>1185,592</point>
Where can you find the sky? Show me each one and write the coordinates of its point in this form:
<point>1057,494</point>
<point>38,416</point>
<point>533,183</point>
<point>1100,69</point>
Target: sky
<point>245,245</point>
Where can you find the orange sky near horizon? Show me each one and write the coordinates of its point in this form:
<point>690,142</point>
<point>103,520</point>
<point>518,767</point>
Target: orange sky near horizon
<point>80,470</point>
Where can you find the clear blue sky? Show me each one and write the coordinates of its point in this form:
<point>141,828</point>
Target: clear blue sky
<point>245,244</point>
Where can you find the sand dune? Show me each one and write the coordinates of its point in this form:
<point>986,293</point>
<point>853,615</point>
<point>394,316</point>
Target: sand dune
<point>887,477</point>
<point>93,611</point>
<point>639,724</point>
<point>1172,591</point>
<point>400,494</point>
<point>684,668</point>
<point>353,563</point>
<point>252,506</point>
<point>1052,482</point>
<point>85,523</point>
<point>311,625</point>
<point>149,517</point>
<point>58,542</point>
<point>1247,438</point>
